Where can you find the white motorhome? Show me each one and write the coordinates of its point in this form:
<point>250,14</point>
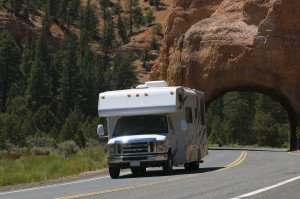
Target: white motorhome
<point>153,125</point>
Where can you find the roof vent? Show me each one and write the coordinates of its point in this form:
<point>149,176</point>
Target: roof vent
<point>141,86</point>
<point>156,84</point>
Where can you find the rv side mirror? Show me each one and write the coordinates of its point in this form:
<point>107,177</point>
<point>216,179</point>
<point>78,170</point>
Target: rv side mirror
<point>183,125</point>
<point>100,130</point>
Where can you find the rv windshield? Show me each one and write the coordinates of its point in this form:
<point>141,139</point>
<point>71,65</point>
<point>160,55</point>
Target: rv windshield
<point>141,125</point>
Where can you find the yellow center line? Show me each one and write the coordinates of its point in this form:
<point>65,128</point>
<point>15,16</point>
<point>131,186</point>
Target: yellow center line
<point>242,154</point>
<point>233,164</point>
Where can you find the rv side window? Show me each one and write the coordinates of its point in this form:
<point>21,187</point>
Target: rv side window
<point>188,115</point>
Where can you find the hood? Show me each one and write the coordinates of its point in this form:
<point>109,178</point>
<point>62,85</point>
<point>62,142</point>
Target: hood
<point>137,138</point>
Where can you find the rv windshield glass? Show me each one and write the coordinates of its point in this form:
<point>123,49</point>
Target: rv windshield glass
<point>141,125</point>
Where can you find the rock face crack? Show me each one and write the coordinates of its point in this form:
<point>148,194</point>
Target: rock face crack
<point>250,45</point>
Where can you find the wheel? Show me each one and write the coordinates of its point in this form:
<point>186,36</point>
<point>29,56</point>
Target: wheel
<point>134,170</point>
<point>195,165</point>
<point>114,172</point>
<point>142,170</point>
<point>168,166</point>
<point>187,167</point>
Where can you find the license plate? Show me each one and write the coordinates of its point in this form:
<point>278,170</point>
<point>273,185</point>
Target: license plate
<point>135,163</point>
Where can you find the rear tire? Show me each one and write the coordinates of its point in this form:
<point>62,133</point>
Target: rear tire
<point>187,166</point>
<point>114,172</point>
<point>195,165</point>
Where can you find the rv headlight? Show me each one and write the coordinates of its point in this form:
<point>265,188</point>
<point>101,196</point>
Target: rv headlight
<point>111,149</point>
<point>160,146</point>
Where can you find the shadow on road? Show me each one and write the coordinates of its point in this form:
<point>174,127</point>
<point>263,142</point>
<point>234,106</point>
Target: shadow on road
<point>176,172</point>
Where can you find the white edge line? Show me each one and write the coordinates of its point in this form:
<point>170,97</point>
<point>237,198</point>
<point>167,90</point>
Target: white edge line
<point>56,185</point>
<point>267,188</point>
<point>294,153</point>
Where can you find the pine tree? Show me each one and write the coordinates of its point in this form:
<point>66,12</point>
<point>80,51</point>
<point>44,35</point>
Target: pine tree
<point>90,77</point>
<point>236,117</point>
<point>73,10</point>
<point>45,120</point>
<point>39,88</point>
<point>62,12</point>
<point>131,5</point>
<point>88,21</point>
<point>51,7</point>
<point>124,71</point>
<point>28,56</point>
<point>153,43</point>
<point>117,8</point>
<point>46,24</point>
<point>146,56</point>
<point>66,133</point>
<point>108,40</point>
<point>138,17</point>
<point>2,140</point>
<point>13,131</point>
<point>70,79</point>
<point>104,5</point>
<point>157,29</point>
<point>15,6</point>
<point>80,139</point>
<point>10,59</point>
<point>155,2</point>
<point>149,17</point>
<point>122,29</point>
<point>83,46</point>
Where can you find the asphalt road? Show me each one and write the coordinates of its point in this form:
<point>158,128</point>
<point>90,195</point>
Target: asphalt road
<point>235,173</point>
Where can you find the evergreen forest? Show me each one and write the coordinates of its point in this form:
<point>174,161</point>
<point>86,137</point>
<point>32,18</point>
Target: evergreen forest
<point>243,118</point>
<point>49,94</point>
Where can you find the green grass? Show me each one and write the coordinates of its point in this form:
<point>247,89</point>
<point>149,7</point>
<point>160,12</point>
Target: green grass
<point>32,168</point>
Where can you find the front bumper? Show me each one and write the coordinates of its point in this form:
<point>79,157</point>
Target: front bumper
<point>147,160</point>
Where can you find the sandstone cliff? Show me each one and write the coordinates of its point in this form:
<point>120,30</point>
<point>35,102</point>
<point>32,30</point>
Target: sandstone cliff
<point>223,45</point>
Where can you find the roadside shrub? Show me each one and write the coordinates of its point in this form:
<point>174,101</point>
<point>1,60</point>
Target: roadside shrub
<point>41,151</point>
<point>285,145</point>
<point>80,139</point>
<point>93,143</point>
<point>3,154</point>
<point>2,140</point>
<point>16,152</point>
<point>39,141</point>
<point>67,148</point>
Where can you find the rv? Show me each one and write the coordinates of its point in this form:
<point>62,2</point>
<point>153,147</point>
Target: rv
<point>153,125</point>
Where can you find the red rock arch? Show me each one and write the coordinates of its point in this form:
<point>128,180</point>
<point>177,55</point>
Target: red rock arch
<point>250,45</point>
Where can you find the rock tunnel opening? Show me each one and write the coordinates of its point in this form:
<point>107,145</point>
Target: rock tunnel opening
<point>261,124</point>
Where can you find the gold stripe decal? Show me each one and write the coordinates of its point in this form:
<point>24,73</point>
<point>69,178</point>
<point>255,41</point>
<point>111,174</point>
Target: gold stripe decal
<point>238,161</point>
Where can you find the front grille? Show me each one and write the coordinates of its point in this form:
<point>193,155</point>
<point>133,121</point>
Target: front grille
<point>135,148</point>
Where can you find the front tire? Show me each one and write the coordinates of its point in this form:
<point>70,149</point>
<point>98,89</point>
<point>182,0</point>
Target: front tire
<point>142,170</point>
<point>114,172</point>
<point>134,171</point>
<point>168,166</point>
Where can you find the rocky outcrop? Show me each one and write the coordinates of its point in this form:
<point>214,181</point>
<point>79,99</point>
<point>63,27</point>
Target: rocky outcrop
<point>224,45</point>
<point>17,26</point>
